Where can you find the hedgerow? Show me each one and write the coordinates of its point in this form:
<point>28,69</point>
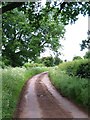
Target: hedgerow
<point>30,65</point>
<point>13,80</point>
<point>80,68</point>
<point>72,87</point>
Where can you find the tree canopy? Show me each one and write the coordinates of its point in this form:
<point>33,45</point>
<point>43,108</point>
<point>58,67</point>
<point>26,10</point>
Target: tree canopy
<point>87,55</point>
<point>86,43</point>
<point>29,28</point>
<point>77,58</point>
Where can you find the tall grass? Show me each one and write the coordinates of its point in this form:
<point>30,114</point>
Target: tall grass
<point>13,80</point>
<point>71,87</point>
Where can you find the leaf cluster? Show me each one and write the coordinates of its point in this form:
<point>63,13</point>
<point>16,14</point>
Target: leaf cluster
<point>30,28</point>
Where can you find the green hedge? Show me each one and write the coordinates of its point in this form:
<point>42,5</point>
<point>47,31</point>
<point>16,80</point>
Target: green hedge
<point>84,70</point>
<point>72,87</point>
<point>79,68</point>
<point>30,65</point>
<point>2,65</point>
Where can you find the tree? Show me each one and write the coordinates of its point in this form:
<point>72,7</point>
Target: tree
<point>13,30</point>
<point>48,61</point>
<point>57,60</point>
<point>68,11</point>
<point>87,55</point>
<point>86,43</point>
<point>28,29</point>
<point>77,58</point>
<point>23,40</point>
<point>51,61</point>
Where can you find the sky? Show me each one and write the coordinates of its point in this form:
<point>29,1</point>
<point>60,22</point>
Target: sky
<point>74,35</point>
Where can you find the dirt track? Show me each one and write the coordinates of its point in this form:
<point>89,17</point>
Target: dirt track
<point>39,99</point>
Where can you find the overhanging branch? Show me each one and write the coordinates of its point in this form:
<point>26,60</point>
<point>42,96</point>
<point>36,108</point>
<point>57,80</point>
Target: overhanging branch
<point>10,6</point>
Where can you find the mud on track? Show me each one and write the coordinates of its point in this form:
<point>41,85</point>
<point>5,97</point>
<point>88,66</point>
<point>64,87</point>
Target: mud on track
<point>40,99</point>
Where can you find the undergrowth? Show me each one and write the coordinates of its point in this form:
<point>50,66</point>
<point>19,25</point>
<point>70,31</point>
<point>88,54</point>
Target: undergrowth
<point>74,88</point>
<point>13,80</point>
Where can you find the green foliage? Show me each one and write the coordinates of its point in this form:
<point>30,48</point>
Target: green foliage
<point>48,61</point>
<point>73,68</point>
<point>71,10</point>
<point>2,65</point>
<point>71,87</point>
<point>26,36</point>
<point>57,60</point>
<point>28,65</point>
<point>84,70</point>
<point>87,55</point>
<point>28,29</point>
<point>77,58</point>
<point>86,43</point>
<point>51,61</point>
<point>13,80</point>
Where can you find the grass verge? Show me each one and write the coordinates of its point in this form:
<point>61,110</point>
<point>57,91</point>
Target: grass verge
<point>74,88</point>
<point>13,80</point>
